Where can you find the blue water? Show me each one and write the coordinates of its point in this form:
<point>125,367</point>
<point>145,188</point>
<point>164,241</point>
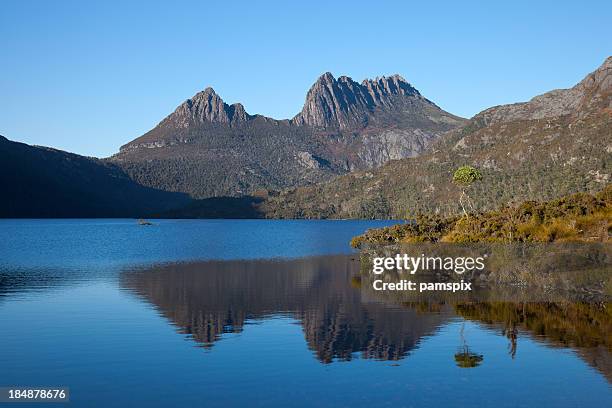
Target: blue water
<point>106,243</point>
<point>252,313</point>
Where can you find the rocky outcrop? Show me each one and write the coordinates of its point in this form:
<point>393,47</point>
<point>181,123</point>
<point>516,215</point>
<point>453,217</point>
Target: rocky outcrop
<point>393,144</point>
<point>307,160</point>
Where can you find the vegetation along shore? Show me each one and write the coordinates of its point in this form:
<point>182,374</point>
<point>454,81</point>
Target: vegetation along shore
<point>577,217</point>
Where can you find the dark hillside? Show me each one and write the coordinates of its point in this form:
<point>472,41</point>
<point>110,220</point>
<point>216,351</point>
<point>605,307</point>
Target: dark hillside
<point>41,182</point>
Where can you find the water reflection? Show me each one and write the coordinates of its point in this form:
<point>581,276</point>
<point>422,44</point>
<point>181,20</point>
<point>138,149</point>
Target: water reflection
<point>584,327</point>
<point>340,320</point>
<point>207,299</point>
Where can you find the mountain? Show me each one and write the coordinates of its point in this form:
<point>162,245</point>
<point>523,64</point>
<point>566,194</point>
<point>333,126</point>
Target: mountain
<point>556,144</point>
<point>43,182</point>
<point>207,148</point>
<point>400,149</point>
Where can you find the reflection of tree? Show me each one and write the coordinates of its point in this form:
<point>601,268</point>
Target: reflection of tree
<point>512,334</point>
<point>464,357</point>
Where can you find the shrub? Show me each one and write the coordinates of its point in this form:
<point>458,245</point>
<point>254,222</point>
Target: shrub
<point>466,175</point>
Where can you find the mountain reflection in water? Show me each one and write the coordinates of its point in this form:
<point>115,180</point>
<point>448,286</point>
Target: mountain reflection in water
<point>207,299</point>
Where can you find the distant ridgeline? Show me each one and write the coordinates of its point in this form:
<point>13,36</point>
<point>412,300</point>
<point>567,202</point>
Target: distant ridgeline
<point>375,149</point>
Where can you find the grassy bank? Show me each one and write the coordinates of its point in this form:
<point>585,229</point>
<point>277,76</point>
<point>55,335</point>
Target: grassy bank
<point>578,217</point>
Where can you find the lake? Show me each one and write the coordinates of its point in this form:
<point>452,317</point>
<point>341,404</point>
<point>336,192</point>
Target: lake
<point>269,313</point>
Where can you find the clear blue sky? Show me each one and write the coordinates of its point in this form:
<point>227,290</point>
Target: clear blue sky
<point>88,78</point>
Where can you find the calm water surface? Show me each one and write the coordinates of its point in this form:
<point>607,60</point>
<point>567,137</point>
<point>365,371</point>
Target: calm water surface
<point>268,313</point>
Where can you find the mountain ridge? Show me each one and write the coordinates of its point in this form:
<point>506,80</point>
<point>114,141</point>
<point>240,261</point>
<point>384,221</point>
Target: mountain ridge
<point>583,96</point>
<point>226,151</point>
<point>240,165</point>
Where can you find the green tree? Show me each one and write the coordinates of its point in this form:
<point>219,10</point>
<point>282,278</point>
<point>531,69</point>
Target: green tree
<point>464,177</point>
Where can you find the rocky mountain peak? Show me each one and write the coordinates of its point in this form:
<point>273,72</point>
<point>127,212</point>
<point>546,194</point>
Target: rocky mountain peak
<point>327,77</point>
<point>207,106</point>
<point>343,103</point>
